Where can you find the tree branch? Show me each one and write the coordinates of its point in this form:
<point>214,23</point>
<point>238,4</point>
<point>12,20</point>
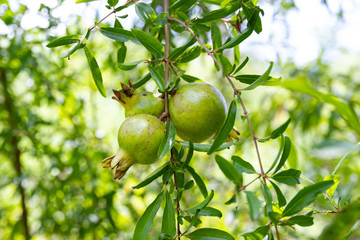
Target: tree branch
<point>16,154</point>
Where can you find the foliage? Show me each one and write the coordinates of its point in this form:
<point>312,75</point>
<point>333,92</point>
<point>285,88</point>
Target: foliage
<point>68,194</point>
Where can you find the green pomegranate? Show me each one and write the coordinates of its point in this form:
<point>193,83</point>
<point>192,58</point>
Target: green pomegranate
<point>138,103</point>
<point>197,110</point>
<point>139,138</point>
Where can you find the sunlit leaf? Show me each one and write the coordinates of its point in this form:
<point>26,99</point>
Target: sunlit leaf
<point>218,13</point>
<point>178,51</point>
<point>168,141</point>
<point>130,65</point>
<point>64,41</point>
<point>158,77</point>
<point>289,177</point>
<point>168,221</point>
<point>242,166</point>
<point>261,80</point>
<point>303,221</point>
<point>208,211</point>
<point>118,34</point>
<point>280,130</point>
<point>305,196</point>
<point>209,234</point>
<point>225,128</point>
<point>242,65</point>
<point>336,179</point>
<point>149,42</point>
<point>154,175</point>
<point>229,170</point>
<point>199,182</point>
<point>254,204</point>
<point>285,153</point>
<point>189,155</point>
<point>237,40</point>
<point>144,224</point>
<point>95,71</point>
<point>279,194</point>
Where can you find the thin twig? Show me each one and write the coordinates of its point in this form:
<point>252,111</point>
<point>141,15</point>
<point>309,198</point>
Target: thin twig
<point>236,91</point>
<point>277,232</point>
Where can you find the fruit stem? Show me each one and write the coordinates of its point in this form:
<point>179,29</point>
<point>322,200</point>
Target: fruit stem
<point>236,91</point>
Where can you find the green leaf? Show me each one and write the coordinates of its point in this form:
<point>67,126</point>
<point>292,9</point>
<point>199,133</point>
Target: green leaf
<point>290,177</point>
<point>229,170</point>
<point>218,13</point>
<point>112,2</point>
<point>215,36</point>
<point>303,221</point>
<point>242,166</point>
<point>158,77</point>
<point>280,130</point>
<point>131,65</point>
<point>225,63</point>
<point>142,81</point>
<point>168,222</point>
<point>242,65</point>
<point>64,41</point>
<point>206,147</point>
<point>279,194</point>
<point>342,223</point>
<point>199,182</point>
<point>83,1</point>
<point>71,50</point>
<point>336,179</point>
<point>189,155</point>
<point>285,153</point>
<point>237,40</point>
<point>258,234</point>
<point>95,71</point>
<point>118,34</point>
<point>121,54</point>
<point>209,234</point>
<point>203,204</point>
<point>281,149</point>
<point>154,175</point>
<point>178,51</point>
<point>149,42</point>
<point>189,55</point>
<point>254,204</point>
<point>251,78</point>
<point>261,80</point>
<point>144,224</point>
<point>168,141</point>
<point>305,196</point>
<point>208,211</point>
<point>182,5</point>
<point>225,128</point>
<point>268,199</point>
<point>344,109</point>
<point>189,78</point>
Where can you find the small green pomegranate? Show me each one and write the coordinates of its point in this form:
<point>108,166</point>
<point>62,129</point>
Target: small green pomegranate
<point>139,138</point>
<point>138,103</point>
<point>197,110</point>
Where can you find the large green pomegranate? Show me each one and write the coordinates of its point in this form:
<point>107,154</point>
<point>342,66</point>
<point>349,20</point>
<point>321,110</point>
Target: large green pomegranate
<point>135,102</point>
<point>197,110</point>
<point>139,138</point>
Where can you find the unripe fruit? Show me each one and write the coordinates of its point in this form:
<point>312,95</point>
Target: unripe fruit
<point>138,103</point>
<point>197,111</point>
<point>139,138</point>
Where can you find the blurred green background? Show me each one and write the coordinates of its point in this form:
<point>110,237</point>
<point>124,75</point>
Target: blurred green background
<point>55,128</point>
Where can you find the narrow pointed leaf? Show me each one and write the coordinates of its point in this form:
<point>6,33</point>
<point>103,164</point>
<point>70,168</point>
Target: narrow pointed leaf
<point>142,81</point>
<point>189,78</point>
<point>279,194</point>
<point>242,65</point>
<point>71,50</point>
<point>130,65</point>
<point>305,196</point>
<point>206,147</point>
<point>144,224</point>
<point>254,204</point>
<point>209,234</point>
<point>280,130</point>
<point>218,13</point>
<point>118,34</point>
<point>242,166</point>
<point>121,54</point>
<point>168,222</point>
<point>64,41</point>
<point>285,154</point>
<point>237,40</point>
<point>208,211</point>
<point>158,77</point>
<point>263,78</point>
<point>182,5</point>
<point>251,78</point>
<point>95,71</point>
<point>199,182</point>
<point>178,51</point>
<point>215,35</point>
<point>268,199</point>
<point>82,1</point>
<point>149,42</point>
<point>225,129</point>
<point>203,204</point>
<point>154,175</point>
<point>281,149</point>
<point>189,55</point>
<point>229,170</point>
<point>168,141</point>
<point>290,177</point>
<point>189,155</point>
<point>303,221</point>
